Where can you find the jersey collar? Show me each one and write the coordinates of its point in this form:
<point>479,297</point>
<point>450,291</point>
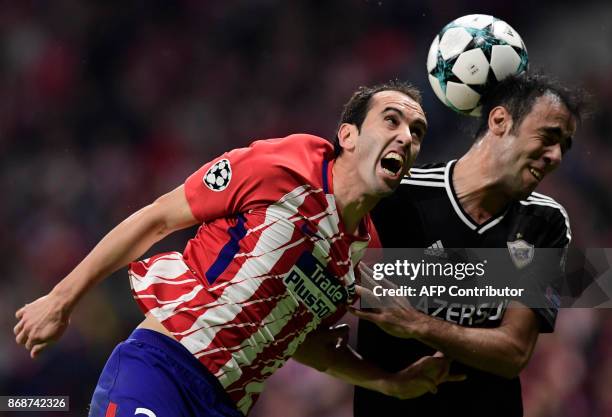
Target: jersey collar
<point>463,216</point>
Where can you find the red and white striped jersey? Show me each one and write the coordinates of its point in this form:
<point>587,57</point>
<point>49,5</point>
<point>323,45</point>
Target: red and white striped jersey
<point>270,262</point>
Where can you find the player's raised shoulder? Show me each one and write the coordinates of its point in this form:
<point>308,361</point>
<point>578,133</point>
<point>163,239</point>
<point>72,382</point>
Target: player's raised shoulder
<point>300,149</point>
<point>427,175</point>
<point>298,142</point>
<point>550,208</point>
<point>543,200</point>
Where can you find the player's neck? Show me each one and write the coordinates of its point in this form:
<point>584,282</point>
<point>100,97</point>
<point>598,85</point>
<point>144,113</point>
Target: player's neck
<point>353,204</point>
<point>478,185</point>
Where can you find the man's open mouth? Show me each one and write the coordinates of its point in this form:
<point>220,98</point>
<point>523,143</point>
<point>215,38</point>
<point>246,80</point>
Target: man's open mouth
<point>392,163</point>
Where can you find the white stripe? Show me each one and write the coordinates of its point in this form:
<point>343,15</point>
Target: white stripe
<point>300,192</point>
<point>280,230</point>
<point>425,183</point>
<point>432,176</point>
<point>227,325</point>
<point>163,270</point>
<point>220,302</point>
<point>140,285</point>
<point>545,203</point>
<point>288,234</point>
<point>235,296</point>
<point>269,249</point>
<point>230,372</point>
<point>451,197</point>
<point>166,308</point>
<point>544,200</point>
<point>226,283</point>
<point>271,325</point>
<point>231,302</point>
<point>542,196</point>
<point>493,223</point>
<point>255,387</point>
<point>568,233</point>
<point>328,227</point>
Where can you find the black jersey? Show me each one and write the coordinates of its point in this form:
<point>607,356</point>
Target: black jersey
<point>425,212</point>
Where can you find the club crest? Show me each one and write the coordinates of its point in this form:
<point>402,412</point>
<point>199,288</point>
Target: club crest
<point>521,253</point>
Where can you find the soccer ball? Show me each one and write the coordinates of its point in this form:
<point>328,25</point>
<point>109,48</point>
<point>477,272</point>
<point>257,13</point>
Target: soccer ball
<point>471,54</point>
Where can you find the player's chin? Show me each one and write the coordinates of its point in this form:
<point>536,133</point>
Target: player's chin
<point>379,188</point>
<point>390,180</point>
<point>527,188</point>
<point>387,186</point>
<point>531,182</point>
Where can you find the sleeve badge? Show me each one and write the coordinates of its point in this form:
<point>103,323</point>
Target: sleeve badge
<point>218,176</point>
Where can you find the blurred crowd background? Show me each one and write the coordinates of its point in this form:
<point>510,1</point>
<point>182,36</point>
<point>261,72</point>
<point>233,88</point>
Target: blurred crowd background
<point>105,106</point>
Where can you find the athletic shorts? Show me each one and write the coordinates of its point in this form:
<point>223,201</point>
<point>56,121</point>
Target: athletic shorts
<point>152,375</point>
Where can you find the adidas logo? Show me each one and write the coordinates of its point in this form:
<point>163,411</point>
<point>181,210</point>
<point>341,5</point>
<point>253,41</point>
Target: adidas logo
<point>436,249</point>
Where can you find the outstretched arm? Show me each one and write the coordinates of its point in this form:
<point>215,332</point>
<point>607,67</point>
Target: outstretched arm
<point>503,351</point>
<point>327,351</point>
<point>46,319</point>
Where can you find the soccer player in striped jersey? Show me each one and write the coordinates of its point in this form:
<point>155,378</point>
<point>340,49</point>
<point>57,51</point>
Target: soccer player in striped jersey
<point>283,222</point>
<point>486,199</point>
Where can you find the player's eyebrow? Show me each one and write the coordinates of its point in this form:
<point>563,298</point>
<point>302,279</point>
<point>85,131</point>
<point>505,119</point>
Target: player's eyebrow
<point>419,122</point>
<point>557,132</point>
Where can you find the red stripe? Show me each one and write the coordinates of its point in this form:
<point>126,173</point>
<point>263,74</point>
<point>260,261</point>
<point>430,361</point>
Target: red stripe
<point>216,360</point>
<point>201,252</point>
<point>272,352</point>
<point>111,410</point>
<point>232,337</point>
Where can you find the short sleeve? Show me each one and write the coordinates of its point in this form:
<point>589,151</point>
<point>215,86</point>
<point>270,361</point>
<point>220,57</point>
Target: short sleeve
<point>221,187</point>
<point>551,279</point>
<point>259,175</point>
<point>560,234</point>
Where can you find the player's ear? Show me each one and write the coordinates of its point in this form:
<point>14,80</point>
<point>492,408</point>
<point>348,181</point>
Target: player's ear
<point>500,121</point>
<point>347,133</point>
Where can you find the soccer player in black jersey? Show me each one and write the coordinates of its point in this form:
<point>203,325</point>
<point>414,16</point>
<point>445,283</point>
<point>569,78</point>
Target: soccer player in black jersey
<point>485,199</point>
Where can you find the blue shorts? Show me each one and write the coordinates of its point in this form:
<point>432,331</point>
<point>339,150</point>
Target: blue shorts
<point>152,375</point>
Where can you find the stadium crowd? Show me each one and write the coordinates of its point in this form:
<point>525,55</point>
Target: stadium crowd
<point>105,106</point>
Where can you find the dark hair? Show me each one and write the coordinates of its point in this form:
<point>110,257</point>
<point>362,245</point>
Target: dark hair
<point>355,110</point>
<point>519,92</point>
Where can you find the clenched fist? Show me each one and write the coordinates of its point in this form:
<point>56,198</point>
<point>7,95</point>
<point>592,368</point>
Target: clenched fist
<point>41,322</point>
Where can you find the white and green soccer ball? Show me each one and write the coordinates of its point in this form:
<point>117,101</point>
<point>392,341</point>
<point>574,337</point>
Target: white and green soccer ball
<point>471,54</point>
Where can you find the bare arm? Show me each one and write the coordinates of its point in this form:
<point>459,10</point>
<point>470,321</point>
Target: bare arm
<point>45,319</point>
<point>503,351</point>
<point>327,351</point>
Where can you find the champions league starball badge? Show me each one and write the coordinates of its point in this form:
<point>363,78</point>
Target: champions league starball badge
<point>219,175</point>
